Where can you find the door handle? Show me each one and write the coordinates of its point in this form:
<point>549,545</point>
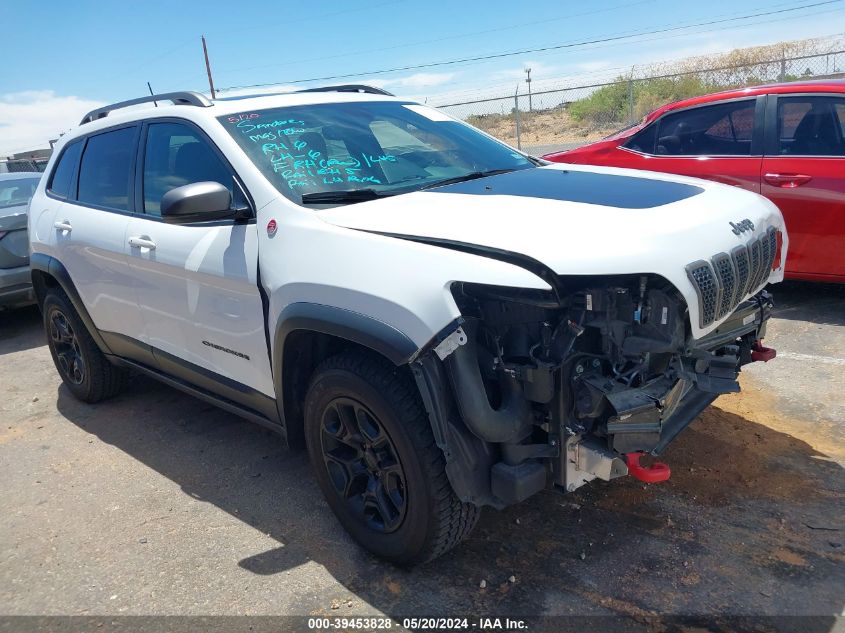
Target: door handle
<point>142,241</point>
<point>787,181</point>
<point>64,225</point>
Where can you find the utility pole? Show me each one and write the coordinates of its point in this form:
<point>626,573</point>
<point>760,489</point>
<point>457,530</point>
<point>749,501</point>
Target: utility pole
<point>208,68</point>
<point>528,81</point>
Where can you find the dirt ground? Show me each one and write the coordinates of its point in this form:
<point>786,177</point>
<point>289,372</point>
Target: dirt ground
<point>157,503</point>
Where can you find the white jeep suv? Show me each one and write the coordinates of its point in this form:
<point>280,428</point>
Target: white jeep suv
<point>445,322</point>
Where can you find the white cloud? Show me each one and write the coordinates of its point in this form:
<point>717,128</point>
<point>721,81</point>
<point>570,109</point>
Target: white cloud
<point>538,69</point>
<point>412,82</point>
<point>263,90</point>
<point>418,80</point>
<point>592,67</point>
<point>28,120</point>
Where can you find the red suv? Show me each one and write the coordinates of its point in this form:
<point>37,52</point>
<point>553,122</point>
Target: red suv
<point>784,141</point>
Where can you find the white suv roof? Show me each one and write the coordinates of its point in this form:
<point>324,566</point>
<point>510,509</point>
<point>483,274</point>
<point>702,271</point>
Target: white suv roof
<point>192,105</point>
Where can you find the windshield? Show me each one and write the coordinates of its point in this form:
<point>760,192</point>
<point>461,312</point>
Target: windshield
<point>337,153</point>
<point>17,192</point>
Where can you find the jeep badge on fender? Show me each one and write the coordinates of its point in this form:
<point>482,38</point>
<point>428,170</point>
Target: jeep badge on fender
<point>742,226</point>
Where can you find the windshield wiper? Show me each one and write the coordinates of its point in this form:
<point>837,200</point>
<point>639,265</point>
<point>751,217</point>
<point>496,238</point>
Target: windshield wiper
<point>473,175</point>
<point>351,196</point>
<point>343,197</point>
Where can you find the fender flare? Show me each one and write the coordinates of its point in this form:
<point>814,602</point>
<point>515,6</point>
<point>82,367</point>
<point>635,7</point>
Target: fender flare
<point>51,266</point>
<point>349,325</point>
<point>346,324</point>
<point>468,459</point>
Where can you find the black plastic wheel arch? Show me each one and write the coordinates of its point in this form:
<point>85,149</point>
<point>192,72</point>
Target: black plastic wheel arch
<point>54,268</point>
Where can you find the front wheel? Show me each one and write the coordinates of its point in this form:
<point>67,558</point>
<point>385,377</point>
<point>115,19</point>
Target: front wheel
<point>370,442</point>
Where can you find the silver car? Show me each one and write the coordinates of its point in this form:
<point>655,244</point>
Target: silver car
<point>16,190</point>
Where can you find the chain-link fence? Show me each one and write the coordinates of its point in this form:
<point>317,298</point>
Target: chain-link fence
<point>17,165</point>
<point>565,117</point>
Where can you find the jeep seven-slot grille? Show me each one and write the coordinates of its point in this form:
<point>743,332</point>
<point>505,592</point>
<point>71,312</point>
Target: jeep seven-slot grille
<point>704,281</point>
<point>743,268</point>
<point>727,279</point>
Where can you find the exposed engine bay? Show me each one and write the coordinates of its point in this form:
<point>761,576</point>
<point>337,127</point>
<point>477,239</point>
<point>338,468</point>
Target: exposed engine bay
<point>567,385</point>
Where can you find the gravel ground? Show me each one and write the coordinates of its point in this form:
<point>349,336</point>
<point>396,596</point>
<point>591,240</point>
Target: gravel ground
<point>157,503</point>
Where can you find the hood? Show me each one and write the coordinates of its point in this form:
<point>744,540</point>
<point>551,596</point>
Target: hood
<point>574,219</point>
<point>13,218</point>
<point>580,220</point>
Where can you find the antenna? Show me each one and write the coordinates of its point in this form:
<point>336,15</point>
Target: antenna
<point>152,94</point>
<point>208,68</point>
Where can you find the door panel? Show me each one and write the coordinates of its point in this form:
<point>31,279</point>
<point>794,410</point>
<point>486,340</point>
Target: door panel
<point>198,291</point>
<point>812,200</point>
<point>90,227</point>
<point>740,172</point>
<point>803,173</point>
<point>197,283</point>
<point>89,242</point>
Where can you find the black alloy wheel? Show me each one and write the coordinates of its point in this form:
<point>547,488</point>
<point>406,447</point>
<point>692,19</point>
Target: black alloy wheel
<point>370,441</point>
<point>362,464</point>
<point>65,343</point>
<point>83,367</point>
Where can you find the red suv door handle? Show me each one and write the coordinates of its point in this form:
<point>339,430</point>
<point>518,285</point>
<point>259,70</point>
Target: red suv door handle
<point>787,180</point>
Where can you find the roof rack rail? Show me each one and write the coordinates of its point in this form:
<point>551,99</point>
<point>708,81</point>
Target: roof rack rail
<point>178,98</point>
<point>350,88</point>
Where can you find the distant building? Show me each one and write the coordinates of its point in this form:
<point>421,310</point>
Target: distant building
<point>33,160</point>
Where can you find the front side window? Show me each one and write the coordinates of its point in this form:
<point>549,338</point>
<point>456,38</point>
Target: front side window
<point>176,155</point>
<point>811,126</point>
<point>335,153</point>
<point>105,170</point>
<point>724,129</point>
<point>17,192</point>
<point>60,181</point>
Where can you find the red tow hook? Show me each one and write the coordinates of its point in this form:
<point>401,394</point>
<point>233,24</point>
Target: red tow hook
<point>658,471</point>
<point>765,354</point>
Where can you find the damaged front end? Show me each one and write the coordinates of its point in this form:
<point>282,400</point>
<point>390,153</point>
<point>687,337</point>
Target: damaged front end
<point>532,388</point>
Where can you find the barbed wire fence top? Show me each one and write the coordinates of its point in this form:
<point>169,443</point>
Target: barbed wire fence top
<point>564,117</point>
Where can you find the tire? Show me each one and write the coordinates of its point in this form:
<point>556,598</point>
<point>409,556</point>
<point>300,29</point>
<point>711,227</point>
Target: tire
<point>387,486</point>
<point>84,369</point>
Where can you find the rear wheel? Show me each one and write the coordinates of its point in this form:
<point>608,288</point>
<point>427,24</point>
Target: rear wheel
<point>86,372</point>
<point>371,445</point>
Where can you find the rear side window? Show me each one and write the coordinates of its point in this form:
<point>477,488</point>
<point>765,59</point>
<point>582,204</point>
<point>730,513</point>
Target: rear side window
<point>811,126</point>
<point>176,155</point>
<point>60,181</point>
<point>723,129</point>
<point>106,169</point>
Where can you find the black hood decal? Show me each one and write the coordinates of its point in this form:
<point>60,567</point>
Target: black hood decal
<point>611,190</point>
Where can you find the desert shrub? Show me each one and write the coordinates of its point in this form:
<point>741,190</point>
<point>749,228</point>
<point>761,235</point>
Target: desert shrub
<point>694,76</point>
<point>606,104</point>
<point>611,103</point>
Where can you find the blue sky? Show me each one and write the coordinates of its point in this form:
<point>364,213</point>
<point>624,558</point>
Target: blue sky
<point>68,56</point>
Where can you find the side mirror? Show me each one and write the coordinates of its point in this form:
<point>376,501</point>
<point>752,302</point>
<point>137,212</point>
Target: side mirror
<point>197,202</point>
